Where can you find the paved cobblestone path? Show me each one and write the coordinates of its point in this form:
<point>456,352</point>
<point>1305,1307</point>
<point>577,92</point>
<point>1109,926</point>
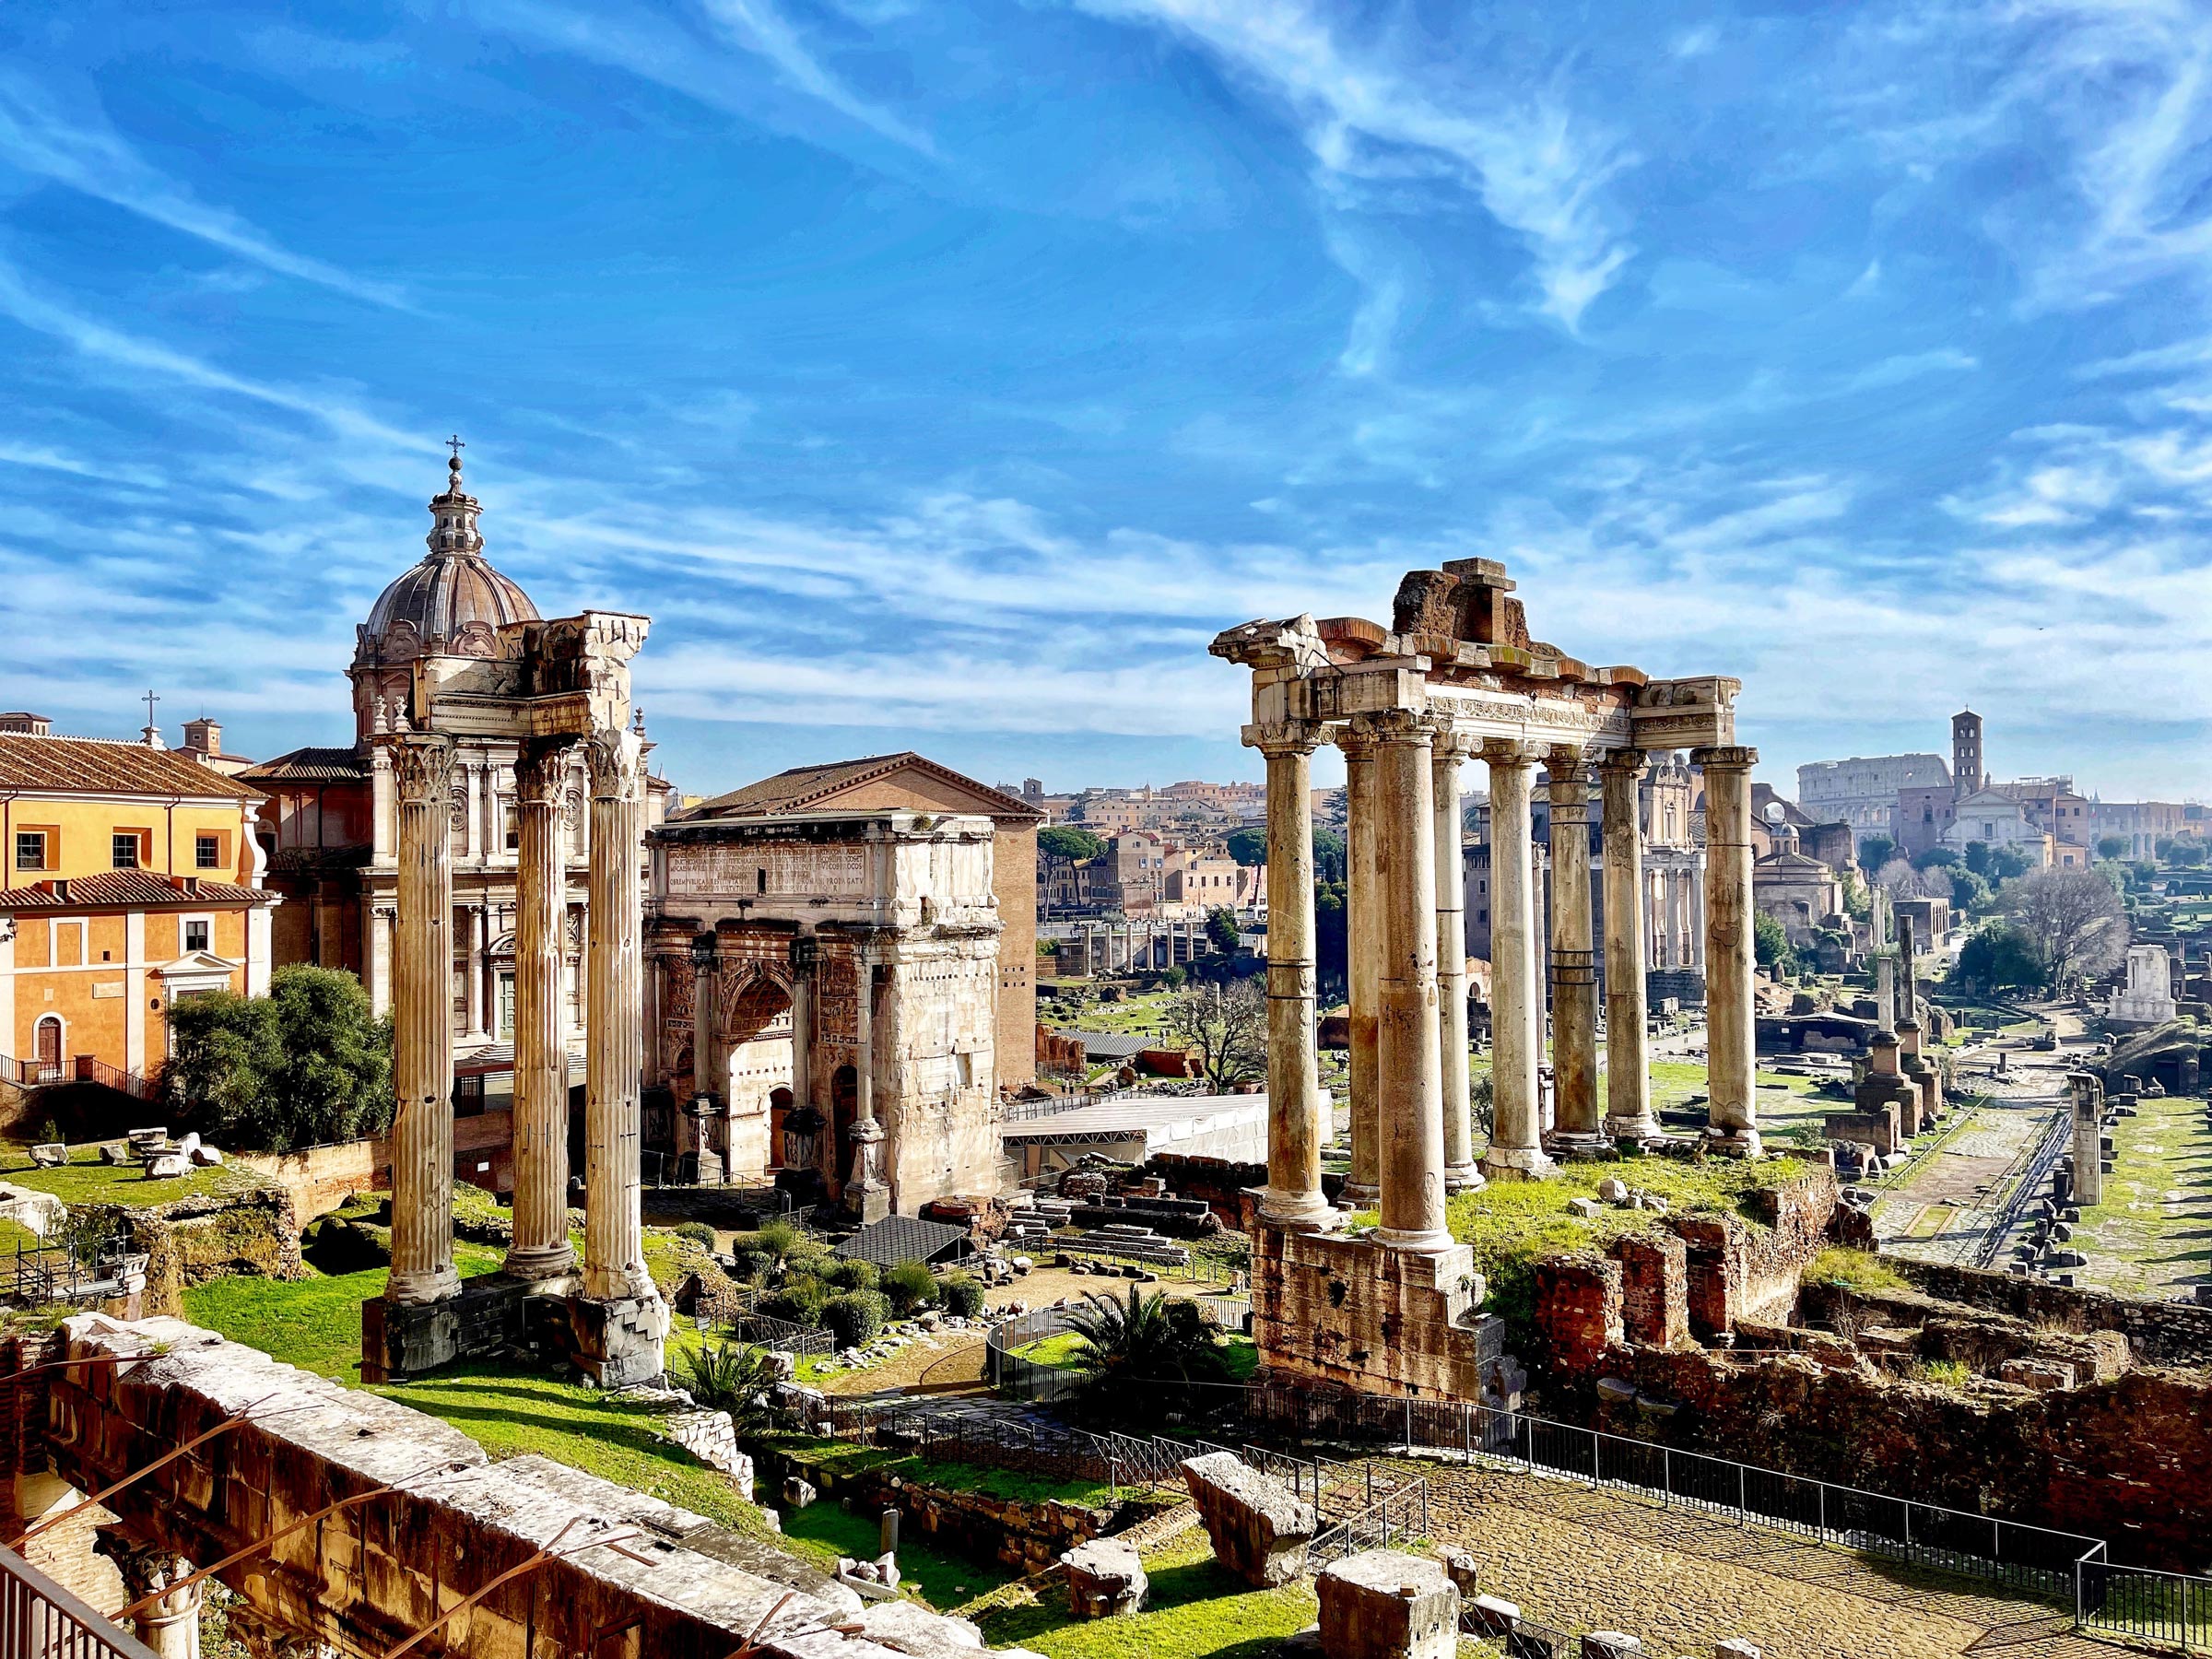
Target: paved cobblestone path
<point>1585,1560</point>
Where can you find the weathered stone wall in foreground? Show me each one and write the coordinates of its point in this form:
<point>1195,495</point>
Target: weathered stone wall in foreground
<point>368,1577</point>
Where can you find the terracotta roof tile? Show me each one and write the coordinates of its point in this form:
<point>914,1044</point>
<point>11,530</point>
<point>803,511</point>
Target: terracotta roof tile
<point>129,889</point>
<point>89,766</point>
<point>805,786</point>
<point>310,766</point>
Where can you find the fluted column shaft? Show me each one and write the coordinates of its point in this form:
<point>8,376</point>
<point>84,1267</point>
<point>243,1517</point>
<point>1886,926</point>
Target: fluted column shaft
<point>1450,750</point>
<point>868,1193</point>
<point>1297,1119</point>
<point>1733,1115</point>
<point>1363,954</point>
<point>1574,960</point>
<point>1409,1066</point>
<point>1627,1071</point>
<point>614,1253</point>
<point>541,1248</point>
<point>1517,1002</point>
<point>422,1038</point>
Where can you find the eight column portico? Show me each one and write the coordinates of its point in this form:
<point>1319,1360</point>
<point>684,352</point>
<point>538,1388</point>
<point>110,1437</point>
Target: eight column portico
<point>1457,673</point>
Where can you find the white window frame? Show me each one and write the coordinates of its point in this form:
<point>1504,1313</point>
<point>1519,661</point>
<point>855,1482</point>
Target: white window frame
<point>184,946</point>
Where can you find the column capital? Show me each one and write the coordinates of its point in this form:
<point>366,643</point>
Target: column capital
<point>1630,760</point>
<point>1453,742</point>
<point>1285,736</point>
<point>1397,726</point>
<point>421,768</point>
<point>541,771</point>
<point>1565,758</point>
<point>1732,758</point>
<point>1356,742</point>
<point>1508,751</point>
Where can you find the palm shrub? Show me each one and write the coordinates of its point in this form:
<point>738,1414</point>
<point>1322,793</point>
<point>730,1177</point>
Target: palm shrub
<point>857,1318</point>
<point>963,1294</point>
<point>910,1285</point>
<point>734,1377</point>
<point>1133,1351</point>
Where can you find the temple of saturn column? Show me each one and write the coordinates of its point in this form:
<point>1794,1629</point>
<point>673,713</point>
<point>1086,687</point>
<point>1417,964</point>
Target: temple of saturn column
<point>1455,677</point>
<point>560,691</point>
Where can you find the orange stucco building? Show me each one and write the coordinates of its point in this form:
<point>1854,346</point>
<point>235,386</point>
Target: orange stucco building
<point>129,879</point>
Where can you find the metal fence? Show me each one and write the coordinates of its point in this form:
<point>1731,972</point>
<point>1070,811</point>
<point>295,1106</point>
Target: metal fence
<point>2170,1607</point>
<point>1031,1380</point>
<point>39,1619</point>
<point>70,1269</point>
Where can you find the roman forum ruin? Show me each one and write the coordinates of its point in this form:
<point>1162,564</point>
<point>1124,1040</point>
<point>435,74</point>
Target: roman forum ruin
<point>428,684</point>
<point>1456,676</point>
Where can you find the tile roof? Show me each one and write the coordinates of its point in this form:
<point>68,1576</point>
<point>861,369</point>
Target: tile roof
<point>310,766</point>
<point>898,1239</point>
<point>804,786</point>
<point>89,766</point>
<point>129,889</point>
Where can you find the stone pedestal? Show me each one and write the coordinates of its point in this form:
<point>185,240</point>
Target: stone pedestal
<point>1385,1603</point>
<point>1516,1149</point>
<point>422,1045</point>
<point>1573,962</point>
<point>1298,1122</point>
<point>1363,956</point>
<point>618,1340</point>
<point>1627,1073</point>
<point>1258,1527</point>
<point>1105,1579</point>
<point>1732,1116</point>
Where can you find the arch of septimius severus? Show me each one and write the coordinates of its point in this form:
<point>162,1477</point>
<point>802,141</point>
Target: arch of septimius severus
<point>1456,678</point>
<point>456,662</point>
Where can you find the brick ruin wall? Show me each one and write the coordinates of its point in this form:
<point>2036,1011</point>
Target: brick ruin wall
<point>1350,1312</point>
<point>2079,1441</point>
<point>322,1177</point>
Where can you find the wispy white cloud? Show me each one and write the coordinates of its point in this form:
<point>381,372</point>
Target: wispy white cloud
<point>138,354</point>
<point>87,155</point>
<point>1537,168</point>
<point>758,27</point>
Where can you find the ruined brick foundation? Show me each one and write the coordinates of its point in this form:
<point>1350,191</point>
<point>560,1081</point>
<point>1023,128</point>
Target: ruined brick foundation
<point>1349,1311</point>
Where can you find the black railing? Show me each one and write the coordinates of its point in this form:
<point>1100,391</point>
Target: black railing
<point>38,1617</point>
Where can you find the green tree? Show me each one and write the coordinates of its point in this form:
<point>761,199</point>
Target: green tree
<point>1332,949</point>
<point>1969,893</point>
<point>1937,858</point>
<point>2188,853</point>
<point>1875,851</point>
<point>2074,919</point>
<point>308,1064</point>
<point>2007,864</point>
<point>1222,930</point>
<point>1329,854</point>
<point>2000,956</point>
<point>1977,857</point>
<point>1771,945</point>
<point>2111,846</point>
<point>1065,840</point>
<point>1248,847</point>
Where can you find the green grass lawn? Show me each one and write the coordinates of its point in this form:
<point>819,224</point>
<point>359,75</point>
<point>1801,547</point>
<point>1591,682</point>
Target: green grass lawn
<point>823,1532</point>
<point>1512,1224</point>
<point>85,1180</point>
<point>15,1236</point>
<point>1196,1610</point>
<point>2146,1238</point>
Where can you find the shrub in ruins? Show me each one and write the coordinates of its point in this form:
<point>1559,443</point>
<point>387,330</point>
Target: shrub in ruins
<point>910,1285</point>
<point>857,1318</point>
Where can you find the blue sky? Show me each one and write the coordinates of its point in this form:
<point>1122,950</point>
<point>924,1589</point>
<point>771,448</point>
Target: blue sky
<point>946,375</point>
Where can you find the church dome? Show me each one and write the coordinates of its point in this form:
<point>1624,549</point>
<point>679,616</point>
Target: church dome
<point>454,603</point>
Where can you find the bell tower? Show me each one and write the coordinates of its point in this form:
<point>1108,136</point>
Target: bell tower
<point>1966,774</point>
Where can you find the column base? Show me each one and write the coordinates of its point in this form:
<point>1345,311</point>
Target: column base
<point>1567,1146</point>
<point>1634,1129</point>
<point>419,1287</point>
<point>1517,1163</point>
<point>619,1341</point>
<point>1296,1211</point>
<point>1362,1198</point>
<point>1464,1178</point>
<point>1431,1241</point>
<point>557,1262</point>
<point>1732,1143</point>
